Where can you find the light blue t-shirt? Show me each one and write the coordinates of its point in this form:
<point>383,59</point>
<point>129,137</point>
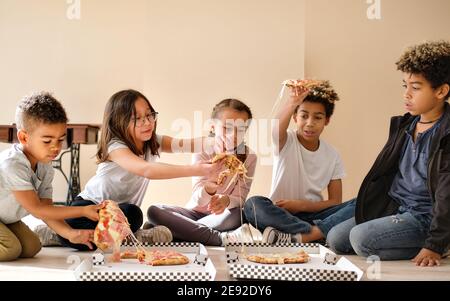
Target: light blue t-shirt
<point>16,175</point>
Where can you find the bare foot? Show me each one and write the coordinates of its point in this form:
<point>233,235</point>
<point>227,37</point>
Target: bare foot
<point>314,235</point>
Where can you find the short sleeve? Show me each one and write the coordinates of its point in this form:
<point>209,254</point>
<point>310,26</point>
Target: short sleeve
<point>46,188</point>
<point>116,144</point>
<point>291,136</point>
<point>339,171</point>
<point>17,175</point>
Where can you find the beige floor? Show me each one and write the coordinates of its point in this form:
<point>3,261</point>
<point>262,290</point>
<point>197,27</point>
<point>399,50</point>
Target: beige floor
<point>56,264</point>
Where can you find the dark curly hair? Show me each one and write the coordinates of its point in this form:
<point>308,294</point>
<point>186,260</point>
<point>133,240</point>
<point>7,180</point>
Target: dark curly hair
<point>431,60</point>
<point>39,107</point>
<point>321,92</point>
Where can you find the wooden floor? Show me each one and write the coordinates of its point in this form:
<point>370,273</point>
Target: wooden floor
<point>55,263</point>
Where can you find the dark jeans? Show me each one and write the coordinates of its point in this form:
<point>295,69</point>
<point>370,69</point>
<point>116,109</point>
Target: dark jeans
<point>269,215</point>
<point>132,212</point>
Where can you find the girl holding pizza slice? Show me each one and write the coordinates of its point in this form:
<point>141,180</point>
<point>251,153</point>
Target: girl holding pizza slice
<point>215,210</point>
<point>126,154</point>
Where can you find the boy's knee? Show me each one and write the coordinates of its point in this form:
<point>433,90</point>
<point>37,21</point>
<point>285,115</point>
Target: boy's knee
<point>360,241</point>
<point>255,203</point>
<point>335,241</point>
<point>10,249</point>
<point>31,247</point>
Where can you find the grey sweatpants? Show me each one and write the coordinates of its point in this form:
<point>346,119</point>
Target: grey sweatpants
<point>194,226</point>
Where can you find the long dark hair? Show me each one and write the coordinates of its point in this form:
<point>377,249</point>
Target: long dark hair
<point>235,104</point>
<point>118,113</point>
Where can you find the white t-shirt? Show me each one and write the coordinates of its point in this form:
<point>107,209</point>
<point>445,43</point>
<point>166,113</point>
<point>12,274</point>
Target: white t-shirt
<point>16,175</point>
<point>112,182</point>
<point>299,174</point>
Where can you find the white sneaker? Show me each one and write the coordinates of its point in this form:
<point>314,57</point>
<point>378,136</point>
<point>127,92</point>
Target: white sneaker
<point>153,235</point>
<point>274,236</point>
<point>47,236</point>
<point>244,234</point>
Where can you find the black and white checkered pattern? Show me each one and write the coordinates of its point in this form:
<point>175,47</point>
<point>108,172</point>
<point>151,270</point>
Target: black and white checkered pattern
<point>331,259</point>
<point>267,272</point>
<point>290,245</point>
<point>135,276</point>
<point>98,258</point>
<point>201,259</point>
<point>166,244</point>
<point>232,257</point>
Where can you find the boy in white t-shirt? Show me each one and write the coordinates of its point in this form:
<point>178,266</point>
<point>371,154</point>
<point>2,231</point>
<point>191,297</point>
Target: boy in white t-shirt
<point>304,166</point>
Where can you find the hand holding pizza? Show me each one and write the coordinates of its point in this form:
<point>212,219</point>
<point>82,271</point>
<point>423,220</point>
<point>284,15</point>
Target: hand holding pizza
<point>218,204</point>
<point>211,170</point>
<point>91,211</point>
<point>84,237</point>
<point>298,95</point>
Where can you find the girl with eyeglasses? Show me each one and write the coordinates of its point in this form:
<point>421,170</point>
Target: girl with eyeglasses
<point>127,150</point>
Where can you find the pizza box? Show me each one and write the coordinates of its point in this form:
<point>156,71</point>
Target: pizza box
<point>324,265</point>
<point>199,268</point>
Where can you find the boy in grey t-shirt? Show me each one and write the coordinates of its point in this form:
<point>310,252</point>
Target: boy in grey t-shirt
<point>26,176</point>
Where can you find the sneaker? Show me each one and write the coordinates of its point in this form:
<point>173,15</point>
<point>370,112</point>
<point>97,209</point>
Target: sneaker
<point>273,236</point>
<point>244,234</point>
<point>47,236</point>
<point>153,235</point>
<point>147,225</point>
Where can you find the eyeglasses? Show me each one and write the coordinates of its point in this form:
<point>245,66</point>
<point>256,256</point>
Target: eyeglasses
<point>151,117</point>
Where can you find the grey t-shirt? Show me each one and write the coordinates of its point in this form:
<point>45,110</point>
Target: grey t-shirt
<point>16,175</point>
<point>112,182</point>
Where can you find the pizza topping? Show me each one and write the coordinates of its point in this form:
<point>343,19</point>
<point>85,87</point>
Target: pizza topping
<point>235,168</point>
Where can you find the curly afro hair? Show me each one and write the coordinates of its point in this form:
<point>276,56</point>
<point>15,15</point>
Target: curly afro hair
<point>321,92</point>
<point>431,60</point>
<point>39,107</point>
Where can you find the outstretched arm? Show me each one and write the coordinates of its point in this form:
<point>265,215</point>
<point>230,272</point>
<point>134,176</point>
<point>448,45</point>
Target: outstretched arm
<point>45,210</point>
<point>151,170</point>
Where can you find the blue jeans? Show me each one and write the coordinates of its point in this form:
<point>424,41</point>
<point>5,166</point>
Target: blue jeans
<point>396,237</point>
<point>270,215</point>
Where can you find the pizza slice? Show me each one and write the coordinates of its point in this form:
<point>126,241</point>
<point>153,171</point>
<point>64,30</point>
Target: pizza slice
<point>307,83</point>
<point>282,258</point>
<point>112,229</point>
<point>234,167</point>
<point>156,257</point>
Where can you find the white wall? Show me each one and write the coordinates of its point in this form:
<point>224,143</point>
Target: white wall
<point>184,55</point>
